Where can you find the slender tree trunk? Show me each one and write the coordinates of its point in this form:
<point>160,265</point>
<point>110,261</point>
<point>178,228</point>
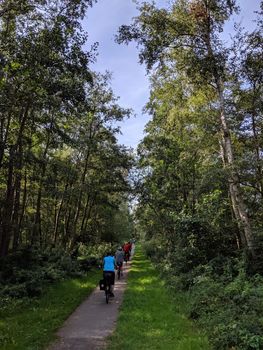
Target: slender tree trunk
<point>6,212</point>
<point>55,234</point>
<point>256,145</point>
<point>193,204</point>
<point>66,237</point>
<point>23,207</point>
<point>4,135</point>
<point>79,202</point>
<point>87,212</point>
<point>236,195</point>
<point>17,189</point>
<point>37,230</point>
<point>84,215</point>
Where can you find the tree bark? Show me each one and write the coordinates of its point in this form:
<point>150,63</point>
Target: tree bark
<point>6,212</point>
<point>79,202</point>
<point>37,230</point>
<point>17,189</point>
<point>235,191</point>
<point>236,195</point>
<point>256,145</point>
<point>55,234</point>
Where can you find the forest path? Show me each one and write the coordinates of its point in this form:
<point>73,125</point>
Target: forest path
<point>93,321</point>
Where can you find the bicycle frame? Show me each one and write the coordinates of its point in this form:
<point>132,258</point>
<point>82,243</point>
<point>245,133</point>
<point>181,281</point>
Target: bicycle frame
<point>119,270</point>
<point>107,288</point>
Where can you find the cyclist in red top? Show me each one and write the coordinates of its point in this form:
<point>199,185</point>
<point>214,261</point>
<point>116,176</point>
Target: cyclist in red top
<point>127,250</point>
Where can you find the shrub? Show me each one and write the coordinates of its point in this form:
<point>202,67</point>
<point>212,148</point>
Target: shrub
<point>225,297</point>
<point>156,249</point>
<point>27,271</point>
<point>91,256</point>
<point>231,310</point>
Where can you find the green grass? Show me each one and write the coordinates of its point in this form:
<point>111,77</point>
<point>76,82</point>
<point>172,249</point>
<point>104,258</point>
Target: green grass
<point>150,318</point>
<point>32,324</point>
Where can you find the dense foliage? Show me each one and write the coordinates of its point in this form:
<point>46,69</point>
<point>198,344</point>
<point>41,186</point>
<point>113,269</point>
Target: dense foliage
<point>200,165</point>
<point>63,177</point>
<point>28,271</point>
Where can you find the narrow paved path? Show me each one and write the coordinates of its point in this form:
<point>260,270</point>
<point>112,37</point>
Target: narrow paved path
<point>93,321</point>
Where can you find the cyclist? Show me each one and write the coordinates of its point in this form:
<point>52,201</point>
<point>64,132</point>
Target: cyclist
<point>127,251</point>
<point>109,271</point>
<point>119,257</point>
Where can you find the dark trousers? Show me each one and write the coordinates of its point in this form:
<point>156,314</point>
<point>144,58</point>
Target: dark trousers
<point>109,276</point>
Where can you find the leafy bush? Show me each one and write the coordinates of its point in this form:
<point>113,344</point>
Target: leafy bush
<point>155,249</point>
<point>231,312</point>
<point>91,256</point>
<point>15,291</point>
<point>225,297</point>
<point>27,271</point>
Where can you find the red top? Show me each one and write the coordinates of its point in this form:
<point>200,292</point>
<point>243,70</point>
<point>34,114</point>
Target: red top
<point>127,247</point>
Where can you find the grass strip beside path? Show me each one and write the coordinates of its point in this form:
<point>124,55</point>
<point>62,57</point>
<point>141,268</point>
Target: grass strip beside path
<point>31,326</point>
<point>150,318</point>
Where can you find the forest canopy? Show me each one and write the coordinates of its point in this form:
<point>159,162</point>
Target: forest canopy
<point>199,175</point>
<point>63,175</point>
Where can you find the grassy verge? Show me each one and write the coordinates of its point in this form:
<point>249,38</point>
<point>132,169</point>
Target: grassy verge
<point>150,318</point>
<point>31,324</point>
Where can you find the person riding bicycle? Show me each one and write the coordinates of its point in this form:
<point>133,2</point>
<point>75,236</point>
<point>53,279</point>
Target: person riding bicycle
<point>127,250</point>
<point>109,271</point>
<point>119,257</point>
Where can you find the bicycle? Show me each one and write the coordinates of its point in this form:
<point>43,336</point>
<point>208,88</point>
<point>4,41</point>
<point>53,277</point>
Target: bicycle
<point>119,270</point>
<point>126,257</point>
<point>107,287</point>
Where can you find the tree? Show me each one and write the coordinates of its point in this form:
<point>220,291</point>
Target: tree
<point>187,37</point>
<point>59,156</point>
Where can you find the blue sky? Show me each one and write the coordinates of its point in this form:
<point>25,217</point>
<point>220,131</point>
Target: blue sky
<point>129,80</point>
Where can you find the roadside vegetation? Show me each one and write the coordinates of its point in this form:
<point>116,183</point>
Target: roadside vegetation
<point>40,289</point>
<point>199,176</point>
<point>63,175</point>
<point>222,297</point>
<point>196,183</point>
<point>30,323</point>
<point>151,317</point>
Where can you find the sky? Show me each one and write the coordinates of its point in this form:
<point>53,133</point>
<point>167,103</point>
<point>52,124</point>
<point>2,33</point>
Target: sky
<point>129,80</point>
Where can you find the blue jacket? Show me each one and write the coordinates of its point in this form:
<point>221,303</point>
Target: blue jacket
<point>109,263</point>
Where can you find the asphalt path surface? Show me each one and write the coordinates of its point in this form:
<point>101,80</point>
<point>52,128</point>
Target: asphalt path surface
<point>93,321</point>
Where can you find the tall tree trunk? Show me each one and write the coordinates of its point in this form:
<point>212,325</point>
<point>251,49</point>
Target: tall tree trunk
<point>17,189</point>
<point>79,202</point>
<point>236,195</point>
<point>23,207</point>
<point>4,135</point>
<point>66,237</point>
<point>84,215</point>
<point>87,212</point>
<point>6,212</point>
<point>14,169</point>
<point>37,230</point>
<point>256,145</point>
<point>55,234</point>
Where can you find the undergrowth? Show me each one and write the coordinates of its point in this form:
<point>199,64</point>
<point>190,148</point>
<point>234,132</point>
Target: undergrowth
<point>225,298</point>
<point>151,317</point>
<point>30,323</point>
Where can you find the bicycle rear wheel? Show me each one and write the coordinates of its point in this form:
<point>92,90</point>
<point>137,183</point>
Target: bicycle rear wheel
<point>107,294</point>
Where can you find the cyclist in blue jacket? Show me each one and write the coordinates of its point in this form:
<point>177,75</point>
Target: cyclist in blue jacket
<point>109,270</point>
